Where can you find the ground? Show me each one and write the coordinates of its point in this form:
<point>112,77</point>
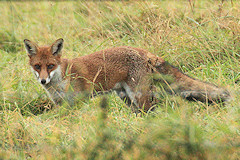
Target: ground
<point>201,38</point>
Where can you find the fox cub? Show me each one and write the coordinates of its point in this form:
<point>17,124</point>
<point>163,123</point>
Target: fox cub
<point>126,70</point>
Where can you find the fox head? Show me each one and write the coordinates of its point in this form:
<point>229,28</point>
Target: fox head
<point>45,61</point>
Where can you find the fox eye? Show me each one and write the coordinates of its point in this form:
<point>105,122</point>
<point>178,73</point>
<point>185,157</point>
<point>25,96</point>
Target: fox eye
<point>37,66</point>
<point>50,66</point>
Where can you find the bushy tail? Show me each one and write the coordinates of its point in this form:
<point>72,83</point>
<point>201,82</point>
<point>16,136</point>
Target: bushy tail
<point>189,88</point>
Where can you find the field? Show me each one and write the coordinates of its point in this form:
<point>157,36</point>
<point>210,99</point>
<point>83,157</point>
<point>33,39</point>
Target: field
<point>201,38</point>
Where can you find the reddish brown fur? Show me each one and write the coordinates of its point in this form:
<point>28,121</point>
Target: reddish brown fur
<point>106,68</point>
<point>124,69</point>
<point>44,58</point>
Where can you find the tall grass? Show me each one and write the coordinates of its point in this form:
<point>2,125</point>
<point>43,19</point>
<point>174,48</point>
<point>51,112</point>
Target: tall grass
<point>199,37</point>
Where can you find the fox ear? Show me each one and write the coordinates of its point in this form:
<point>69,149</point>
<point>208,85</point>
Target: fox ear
<point>30,47</point>
<point>57,47</point>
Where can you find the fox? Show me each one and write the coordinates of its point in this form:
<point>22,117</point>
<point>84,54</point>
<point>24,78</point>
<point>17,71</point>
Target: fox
<point>126,70</point>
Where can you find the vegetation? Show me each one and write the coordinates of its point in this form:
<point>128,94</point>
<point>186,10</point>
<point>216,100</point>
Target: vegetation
<point>199,37</point>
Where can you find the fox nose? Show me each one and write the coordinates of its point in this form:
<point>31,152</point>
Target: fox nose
<point>43,81</point>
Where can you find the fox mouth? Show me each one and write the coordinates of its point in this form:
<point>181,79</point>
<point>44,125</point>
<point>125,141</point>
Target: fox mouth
<point>44,81</point>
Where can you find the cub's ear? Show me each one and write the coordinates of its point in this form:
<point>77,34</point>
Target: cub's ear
<point>57,47</point>
<point>30,47</point>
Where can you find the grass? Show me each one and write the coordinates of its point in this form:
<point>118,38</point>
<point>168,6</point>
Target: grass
<point>199,37</point>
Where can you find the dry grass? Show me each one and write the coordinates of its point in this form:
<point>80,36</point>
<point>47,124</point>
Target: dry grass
<point>201,38</point>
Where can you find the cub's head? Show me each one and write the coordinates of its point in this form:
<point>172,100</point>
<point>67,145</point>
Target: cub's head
<point>45,61</point>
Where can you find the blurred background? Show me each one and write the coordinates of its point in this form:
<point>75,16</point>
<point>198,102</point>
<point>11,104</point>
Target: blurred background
<point>201,38</point>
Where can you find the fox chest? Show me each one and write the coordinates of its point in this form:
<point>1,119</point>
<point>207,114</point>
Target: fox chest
<point>57,91</point>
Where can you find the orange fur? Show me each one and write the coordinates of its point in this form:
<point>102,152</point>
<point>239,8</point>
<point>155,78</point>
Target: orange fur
<point>126,70</point>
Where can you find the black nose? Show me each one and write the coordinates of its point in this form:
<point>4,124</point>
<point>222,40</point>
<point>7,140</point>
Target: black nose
<point>43,81</point>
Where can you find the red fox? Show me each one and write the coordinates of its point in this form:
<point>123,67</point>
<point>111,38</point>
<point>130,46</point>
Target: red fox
<point>125,70</point>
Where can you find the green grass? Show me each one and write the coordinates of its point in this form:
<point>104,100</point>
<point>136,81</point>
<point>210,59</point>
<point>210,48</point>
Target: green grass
<point>201,38</point>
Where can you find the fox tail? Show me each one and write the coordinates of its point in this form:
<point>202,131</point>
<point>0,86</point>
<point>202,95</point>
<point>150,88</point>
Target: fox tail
<point>176,82</point>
